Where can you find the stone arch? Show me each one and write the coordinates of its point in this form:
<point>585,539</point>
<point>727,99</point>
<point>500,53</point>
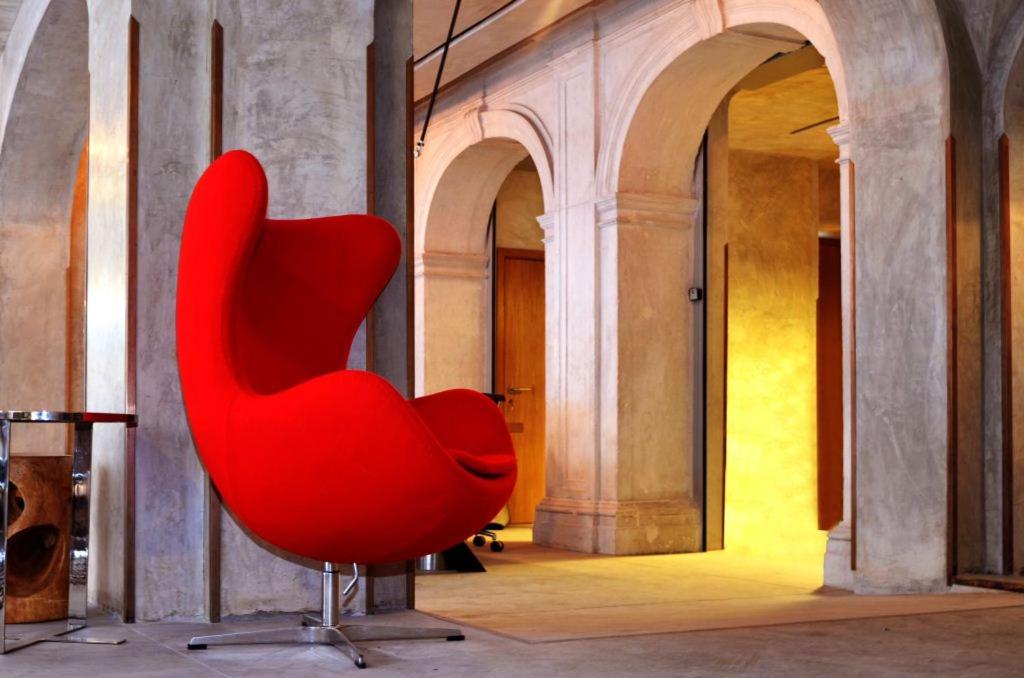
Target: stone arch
<point>44,114</point>
<point>643,171</point>
<point>480,139</point>
<point>451,261</point>
<point>733,37</point>
<point>646,218</point>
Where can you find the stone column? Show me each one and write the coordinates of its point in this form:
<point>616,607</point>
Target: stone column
<point>456,322</point>
<point>644,498</point>
<point>577,444</point>
<point>838,552</point>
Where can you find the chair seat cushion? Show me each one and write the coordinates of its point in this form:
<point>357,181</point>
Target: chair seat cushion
<point>484,465</point>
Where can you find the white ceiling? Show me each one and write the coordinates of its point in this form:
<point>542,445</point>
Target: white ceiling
<point>514,22</point>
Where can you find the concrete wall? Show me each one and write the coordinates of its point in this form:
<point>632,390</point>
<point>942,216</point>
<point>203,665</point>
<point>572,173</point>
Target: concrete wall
<point>771,501</point>
<point>899,119</point>
<point>295,96</point>
<point>173,151</point>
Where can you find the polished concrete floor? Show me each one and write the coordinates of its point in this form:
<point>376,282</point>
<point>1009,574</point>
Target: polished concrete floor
<point>985,642</point>
<point>578,615</point>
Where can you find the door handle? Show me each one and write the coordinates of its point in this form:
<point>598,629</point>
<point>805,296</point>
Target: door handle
<point>519,389</point>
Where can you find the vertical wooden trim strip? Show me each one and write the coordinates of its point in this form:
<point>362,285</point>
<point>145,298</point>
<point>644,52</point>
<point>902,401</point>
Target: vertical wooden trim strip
<point>1006,313</point>
<point>852,196</point>
<point>131,340</point>
<point>371,182</point>
<point>216,90</point>
<point>213,509</point>
<point>952,409</point>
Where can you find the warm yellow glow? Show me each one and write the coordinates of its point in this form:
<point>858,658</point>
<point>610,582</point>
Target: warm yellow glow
<point>771,502</point>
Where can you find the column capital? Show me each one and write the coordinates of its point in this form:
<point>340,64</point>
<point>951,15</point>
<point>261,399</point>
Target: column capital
<point>635,209</point>
<point>549,224</point>
<point>450,265</point>
<point>841,136</point>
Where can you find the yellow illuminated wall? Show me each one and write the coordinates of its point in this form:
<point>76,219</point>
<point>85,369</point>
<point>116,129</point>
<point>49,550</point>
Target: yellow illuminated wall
<point>771,499</point>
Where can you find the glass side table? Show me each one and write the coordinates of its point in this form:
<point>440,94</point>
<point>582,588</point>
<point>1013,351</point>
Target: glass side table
<point>81,472</point>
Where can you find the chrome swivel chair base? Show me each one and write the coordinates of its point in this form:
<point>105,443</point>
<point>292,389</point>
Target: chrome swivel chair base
<point>326,630</point>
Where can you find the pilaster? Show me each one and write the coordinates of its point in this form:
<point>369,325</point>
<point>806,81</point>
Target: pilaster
<point>838,553</point>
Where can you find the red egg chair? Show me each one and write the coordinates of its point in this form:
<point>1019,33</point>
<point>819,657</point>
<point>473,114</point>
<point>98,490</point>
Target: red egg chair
<point>324,462</point>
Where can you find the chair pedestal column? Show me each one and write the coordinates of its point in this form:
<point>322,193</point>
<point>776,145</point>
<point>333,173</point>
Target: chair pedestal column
<point>327,629</point>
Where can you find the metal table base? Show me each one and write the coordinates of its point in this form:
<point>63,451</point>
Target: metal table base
<point>81,475</point>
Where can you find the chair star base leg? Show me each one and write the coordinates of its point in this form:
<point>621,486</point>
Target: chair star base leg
<point>340,637</point>
<point>19,642</point>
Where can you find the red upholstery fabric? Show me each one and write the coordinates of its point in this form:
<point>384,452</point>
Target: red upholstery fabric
<point>324,462</point>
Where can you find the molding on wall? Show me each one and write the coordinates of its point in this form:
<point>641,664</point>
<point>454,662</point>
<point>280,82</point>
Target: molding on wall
<point>632,209</point>
<point>451,265</point>
<point>619,527</point>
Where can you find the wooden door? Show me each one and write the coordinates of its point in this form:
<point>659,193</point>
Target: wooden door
<point>519,370</point>
<point>830,386</point>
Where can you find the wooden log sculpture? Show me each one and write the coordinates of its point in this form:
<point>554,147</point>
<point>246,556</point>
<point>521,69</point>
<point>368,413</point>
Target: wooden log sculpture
<point>38,526</point>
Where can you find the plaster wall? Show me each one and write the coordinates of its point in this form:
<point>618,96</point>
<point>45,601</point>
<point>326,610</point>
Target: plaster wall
<point>771,502</point>
<point>44,105</point>
<point>520,201</point>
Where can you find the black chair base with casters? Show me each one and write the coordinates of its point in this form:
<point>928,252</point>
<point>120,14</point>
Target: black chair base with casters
<point>490,532</point>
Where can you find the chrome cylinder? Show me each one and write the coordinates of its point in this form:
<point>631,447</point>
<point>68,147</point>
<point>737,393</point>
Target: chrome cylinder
<point>331,604</point>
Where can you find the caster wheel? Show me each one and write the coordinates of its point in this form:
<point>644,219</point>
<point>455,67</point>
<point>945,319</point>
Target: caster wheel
<point>478,540</point>
<point>497,546</point>
<point>360,663</point>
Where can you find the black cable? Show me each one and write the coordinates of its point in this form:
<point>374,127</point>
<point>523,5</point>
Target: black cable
<point>437,79</point>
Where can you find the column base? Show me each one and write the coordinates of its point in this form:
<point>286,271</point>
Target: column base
<point>837,558</point>
<point>618,528</point>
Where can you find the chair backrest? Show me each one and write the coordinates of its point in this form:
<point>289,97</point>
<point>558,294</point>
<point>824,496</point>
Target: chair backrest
<point>264,305</point>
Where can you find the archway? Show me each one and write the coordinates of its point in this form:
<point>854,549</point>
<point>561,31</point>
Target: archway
<point>43,178</point>
<point>481,280</point>
<point>657,215</point>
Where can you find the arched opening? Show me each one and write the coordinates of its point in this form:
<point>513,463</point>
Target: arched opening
<point>43,195</point>
<point>743,322</point>
<point>480,287</point>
